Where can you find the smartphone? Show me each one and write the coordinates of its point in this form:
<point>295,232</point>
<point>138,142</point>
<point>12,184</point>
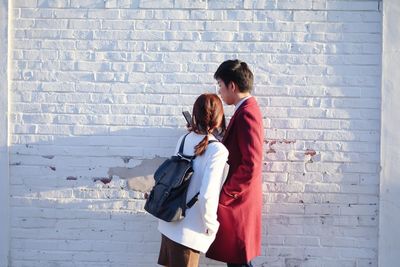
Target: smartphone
<point>188,117</point>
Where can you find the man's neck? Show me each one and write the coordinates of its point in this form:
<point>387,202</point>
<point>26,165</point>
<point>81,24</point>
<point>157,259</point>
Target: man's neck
<point>240,97</point>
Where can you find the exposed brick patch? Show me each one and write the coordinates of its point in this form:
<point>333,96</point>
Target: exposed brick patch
<point>310,152</point>
<point>104,180</point>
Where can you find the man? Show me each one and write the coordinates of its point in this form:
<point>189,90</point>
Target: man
<point>238,239</point>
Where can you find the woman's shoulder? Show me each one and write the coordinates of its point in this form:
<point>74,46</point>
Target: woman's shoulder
<point>216,146</point>
<point>190,137</point>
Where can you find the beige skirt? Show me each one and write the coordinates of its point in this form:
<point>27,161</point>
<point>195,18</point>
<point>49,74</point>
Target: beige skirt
<point>173,254</point>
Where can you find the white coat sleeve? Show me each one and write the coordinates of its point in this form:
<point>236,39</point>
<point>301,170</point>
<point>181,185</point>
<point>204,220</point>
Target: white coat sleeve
<point>214,177</point>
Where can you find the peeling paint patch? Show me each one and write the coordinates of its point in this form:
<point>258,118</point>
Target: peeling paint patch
<point>126,159</point>
<point>288,141</point>
<point>271,150</point>
<point>310,152</point>
<point>48,156</point>
<point>283,141</point>
<point>140,177</point>
<point>273,142</point>
<point>270,144</point>
<point>72,178</point>
<point>104,180</point>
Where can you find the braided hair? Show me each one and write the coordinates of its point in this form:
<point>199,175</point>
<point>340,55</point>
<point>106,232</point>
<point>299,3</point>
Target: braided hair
<point>207,117</point>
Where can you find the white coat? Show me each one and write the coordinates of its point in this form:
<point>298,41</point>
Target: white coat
<point>199,227</point>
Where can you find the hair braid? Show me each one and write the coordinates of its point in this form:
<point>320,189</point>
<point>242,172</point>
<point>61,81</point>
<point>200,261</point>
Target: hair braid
<point>201,147</point>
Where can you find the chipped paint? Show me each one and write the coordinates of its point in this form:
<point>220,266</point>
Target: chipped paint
<point>287,141</point>
<point>72,178</point>
<point>271,150</point>
<point>283,141</point>
<point>104,180</point>
<point>312,156</point>
<point>310,152</point>
<point>270,144</point>
<point>126,159</point>
<point>48,156</point>
<point>140,177</point>
<point>273,142</point>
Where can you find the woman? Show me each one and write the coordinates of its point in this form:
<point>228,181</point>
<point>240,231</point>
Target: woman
<point>182,241</point>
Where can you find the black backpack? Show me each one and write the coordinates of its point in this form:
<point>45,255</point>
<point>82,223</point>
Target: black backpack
<point>167,199</point>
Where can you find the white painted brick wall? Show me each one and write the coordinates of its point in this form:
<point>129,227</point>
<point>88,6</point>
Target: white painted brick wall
<point>101,84</point>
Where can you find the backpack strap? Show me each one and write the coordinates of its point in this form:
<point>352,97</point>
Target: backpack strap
<point>182,144</point>
<point>180,152</point>
<point>192,201</point>
<point>196,197</point>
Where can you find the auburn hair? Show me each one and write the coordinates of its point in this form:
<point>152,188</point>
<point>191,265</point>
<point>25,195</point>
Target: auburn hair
<point>207,118</point>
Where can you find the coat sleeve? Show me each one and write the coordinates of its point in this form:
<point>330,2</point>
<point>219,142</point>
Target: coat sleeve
<point>249,133</point>
<point>210,189</point>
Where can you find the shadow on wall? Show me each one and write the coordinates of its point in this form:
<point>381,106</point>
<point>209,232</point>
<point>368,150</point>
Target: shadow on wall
<point>78,201</point>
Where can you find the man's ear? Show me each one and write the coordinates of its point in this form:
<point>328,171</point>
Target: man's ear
<point>232,87</point>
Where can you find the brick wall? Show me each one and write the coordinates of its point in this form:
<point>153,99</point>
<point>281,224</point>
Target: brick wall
<point>99,86</point>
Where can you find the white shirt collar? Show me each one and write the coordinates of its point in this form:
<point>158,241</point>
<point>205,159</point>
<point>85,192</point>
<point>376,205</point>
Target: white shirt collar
<point>241,102</point>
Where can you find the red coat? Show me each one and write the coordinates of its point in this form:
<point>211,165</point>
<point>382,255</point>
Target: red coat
<point>238,238</point>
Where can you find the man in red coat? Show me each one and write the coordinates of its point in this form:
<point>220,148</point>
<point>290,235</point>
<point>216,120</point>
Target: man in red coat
<point>238,239</point>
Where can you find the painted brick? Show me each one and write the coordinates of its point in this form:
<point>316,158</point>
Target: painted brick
<point>190,4</point>
<point>53,4</point>
<point>101,84</point>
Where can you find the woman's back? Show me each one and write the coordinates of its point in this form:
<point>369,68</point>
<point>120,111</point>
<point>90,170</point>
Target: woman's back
<point>208,178</point>
<point>183,240</point>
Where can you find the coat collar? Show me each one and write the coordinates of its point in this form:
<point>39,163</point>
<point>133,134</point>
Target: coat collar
<point>245,104</point>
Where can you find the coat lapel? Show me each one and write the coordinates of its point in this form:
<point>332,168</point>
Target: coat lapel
<point>231,121</point>
<point>229,127</point>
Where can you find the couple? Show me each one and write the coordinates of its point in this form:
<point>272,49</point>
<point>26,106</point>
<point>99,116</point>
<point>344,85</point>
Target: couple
<point>225,223</point>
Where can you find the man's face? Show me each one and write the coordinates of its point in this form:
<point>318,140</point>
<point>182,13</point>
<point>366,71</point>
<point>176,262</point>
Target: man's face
<point>226,92</point>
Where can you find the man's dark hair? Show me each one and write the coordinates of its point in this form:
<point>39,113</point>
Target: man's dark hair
<point>235,71</point>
